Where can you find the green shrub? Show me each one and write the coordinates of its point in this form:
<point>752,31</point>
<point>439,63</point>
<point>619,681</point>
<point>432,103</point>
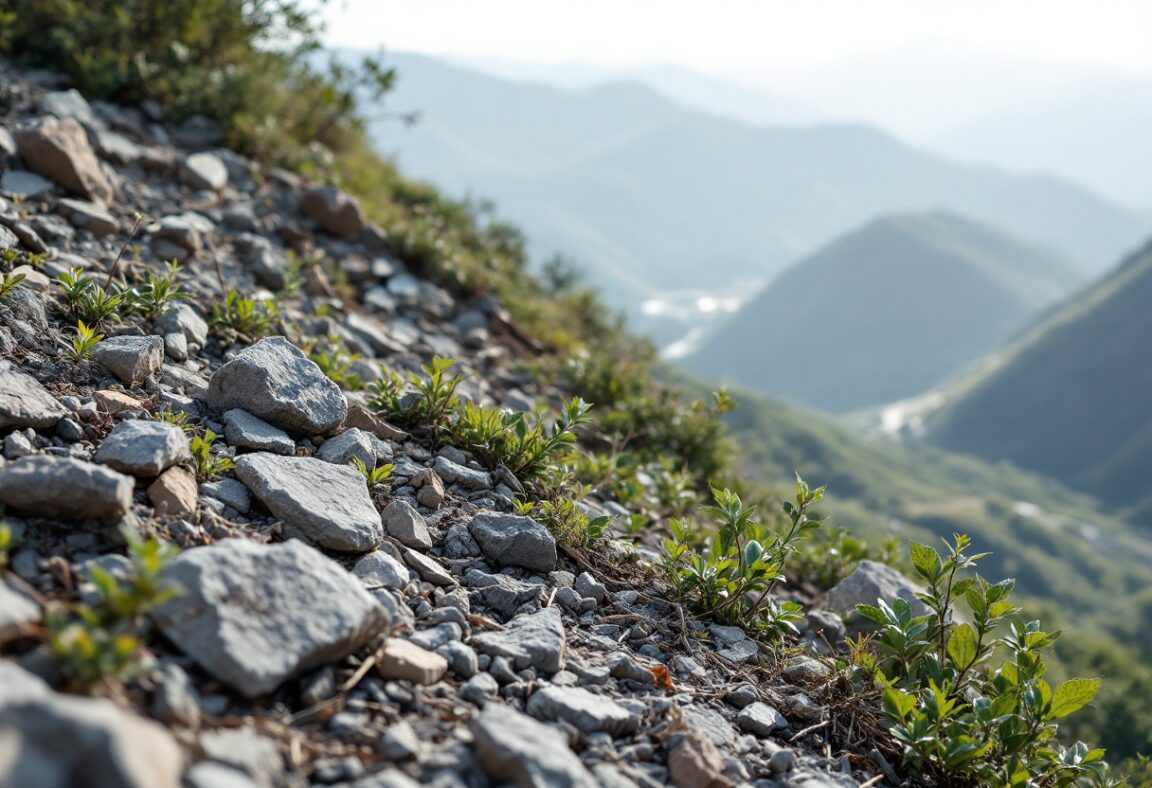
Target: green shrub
<point>335,361</point>
<point>155,293</point>
<point>379,476</point>
<point>7,542</point>
<point>86,301</point>
<point>8,283</point>
<point>431,402</point>
<point>956,717</point>
<point>524,445</point>
<point>207,464</point>
<point>237,317</point>
<point>85,341</point>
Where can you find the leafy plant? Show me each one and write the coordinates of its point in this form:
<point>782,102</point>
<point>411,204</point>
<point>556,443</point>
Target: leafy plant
<point>208,465</point>
<point>743,559</point>
<point>955,717</point>
<point>564,518</point>
<point>8,283</point>
<point>7,542</point>
<point>100,642</point>
<point>377,477</point>
<point>238,316</point>
<point>177,417</point>
<point>87,301</point>
<point>335,361</point>
<point>154,295</point>
<point>85,341</point>
<point>431,401</point>
<point>510,438</point>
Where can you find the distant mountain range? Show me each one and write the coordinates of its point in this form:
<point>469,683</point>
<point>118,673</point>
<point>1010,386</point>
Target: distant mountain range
<point>649,196</point>
<point>885,312</point>
<point>1071,399</point>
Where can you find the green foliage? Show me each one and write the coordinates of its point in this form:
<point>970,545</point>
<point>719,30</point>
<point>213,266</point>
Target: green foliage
<point>335,361</point>
<point>14,257</point>
<point>238,317</point>
<point>84,342</point>
<point>431,402</point>
<point>208,465</point>
<point>86,301</point>
<point>177,417</point>
<point>100,643</point>
<point>743,558</point>
<point>155,293</point>
<point>559,511</point>
<point>8,283</point>
<point>956,717</point>
<point>7,542</point>
<point>524,445</point>
<point>378,477</point>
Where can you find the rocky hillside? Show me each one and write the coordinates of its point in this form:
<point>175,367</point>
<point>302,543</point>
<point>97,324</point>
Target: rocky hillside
<point>1073,390</point>
<point>223,569</point>
<point>886,312</point>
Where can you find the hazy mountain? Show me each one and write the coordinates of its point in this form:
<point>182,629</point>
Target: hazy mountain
<point>1071,398</point>
<point>886,312</point>
<point>650,196</point>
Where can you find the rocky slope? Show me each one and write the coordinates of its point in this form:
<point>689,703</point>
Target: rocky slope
<point>322,633</point>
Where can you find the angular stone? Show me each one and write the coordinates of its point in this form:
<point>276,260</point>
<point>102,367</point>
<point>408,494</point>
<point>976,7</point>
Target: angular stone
<point>760,719</point>
<point>530,640</point>
<point>328,504</point>
<point>275,381</point>
<point>380,570</point>
<point>870,581</point>
<point>403,660</point>
<point>428,568</point>
<point>512,540</point>
<point>694,762</point>
<point>358,416</point>
<point>132,359</point>
<point>230,492</point>
<point>255,615</point>
<point>57,741</point>
<point>430,490</point>
<point>245,431</point>
<point>351,443</point>
<point>144,448</point>
<point>58,149</point>
<point>805,669</point>
<point>24,402</point>
<point>405,524</point>
<point>16,609</point>
<point>204,171</point>
<point>89,216</point>
<point>21,183</point>
<point>182,318</point>
<point>513,748</point>
<point>334,211</point>
<point>67,488</point>
<point>174,493</point>
<point>502,593</point>
<point>454,473</point>
<point>588,712</point>
<point>68,104</point>
<point>111,401</point>
<point>184,231</point>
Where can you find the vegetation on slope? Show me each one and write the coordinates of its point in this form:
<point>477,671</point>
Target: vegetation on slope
<point>894,308</point>
<point>1070,399</point>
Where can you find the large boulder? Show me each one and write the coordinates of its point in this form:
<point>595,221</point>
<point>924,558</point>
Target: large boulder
<point>254,615</point>
<point>58,149</point>
<point>327,504</point>
<point>275,381</point>
<point>64,487</point>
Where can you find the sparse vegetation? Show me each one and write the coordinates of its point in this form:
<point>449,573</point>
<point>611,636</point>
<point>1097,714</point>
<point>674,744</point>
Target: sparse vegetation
<point>239,317</point>
<point>331,354</point>
<point>86,301</point>
<point>8,283</point>
<point>7,542</point>
<point>523,444</point>
<point>208,464</point>
<point>85,341</point>
<point>431,401</point>
<point>377,477</point>
<point>156,292</point>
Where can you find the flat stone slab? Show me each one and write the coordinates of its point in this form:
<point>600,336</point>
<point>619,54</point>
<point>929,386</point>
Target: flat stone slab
<point>530,640</point>
<point>24,402</point>
<point>245,431</point>
<point>275,381</point>
<point>131,359</point>
<point>515,749</point>
<point>255,615</point>
<point>144,448</point>
<point>585,710</point>
<point>66,488</point>
<point>327,504</point>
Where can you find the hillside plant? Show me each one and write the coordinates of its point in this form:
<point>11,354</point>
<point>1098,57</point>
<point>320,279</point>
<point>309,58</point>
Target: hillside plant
<point>7,543</point>
<point>427,400</point>
<point>377,477</point>
<point>730,574</point>
<point>8,283</point>
<point>331,354</point>
<point>87,301</point>
<point>967,706</point>
<point>207,464</point>
<point>239,317</point>
<point>522,443</point>
<point>151,297</point>
<point>100,643</point>
<point>84,343</point>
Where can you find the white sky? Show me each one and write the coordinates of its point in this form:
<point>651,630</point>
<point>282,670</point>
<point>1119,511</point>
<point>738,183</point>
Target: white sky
<point>740,35</point>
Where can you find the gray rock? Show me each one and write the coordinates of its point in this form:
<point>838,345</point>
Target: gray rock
<point>17,445</point>
<point>144,448</point>
<point>204,171</point>
<point>588,712</point>
<point>24,402</point>
<point>89,216</point>
<point>870,581</point>
<point>588,586</point>
<point>65,487</point>
<point>328,504</point>
<point>21,183</point>
<point>333,210</point>
<point>461,659</point>
<point>405,524</point>
<point>458,541</point>
<point>805,669</point>
<point>230,492</point>
<point>428,568</point>
<point>16,609</point>
<point>624,666</point>
<point>530,640</point>
<point>247,751</point>
<point>132,359</point>
<point>68,104</point>
<point>60,741</point>
<point>208,774</point>
<point>181,318</point>
<point>255,615</point>
<point>514,748</point>
<point>502,593</point>
<point>480,688</point>
<point>175,701</point>
<point>760,719</point>
<point>58,149</point>
<point>245,431</point>
<point>380,570</point>
<point>453,473</point>
<point>351,443</point>
<point>741,651</point>
<point>275,381</point>
<point>514,541</point>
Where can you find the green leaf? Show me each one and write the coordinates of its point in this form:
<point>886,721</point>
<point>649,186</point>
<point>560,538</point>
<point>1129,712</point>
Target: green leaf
<point>1072,695</point>
<point>962,646</point>
<point>925,560</point>
<point>898,704</point>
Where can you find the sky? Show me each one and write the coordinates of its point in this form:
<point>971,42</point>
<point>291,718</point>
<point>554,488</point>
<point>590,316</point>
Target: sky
<point>741,36</point>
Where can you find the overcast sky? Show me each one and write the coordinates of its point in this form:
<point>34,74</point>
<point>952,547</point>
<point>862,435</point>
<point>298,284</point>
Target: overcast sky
<point>746,35</point>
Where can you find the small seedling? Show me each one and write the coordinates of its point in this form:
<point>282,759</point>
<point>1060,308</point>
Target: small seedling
<point>245,317</point>
<point>380,476</point>
<point>8,283</point>
<point>85,341</point>
<point>208,465</point>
